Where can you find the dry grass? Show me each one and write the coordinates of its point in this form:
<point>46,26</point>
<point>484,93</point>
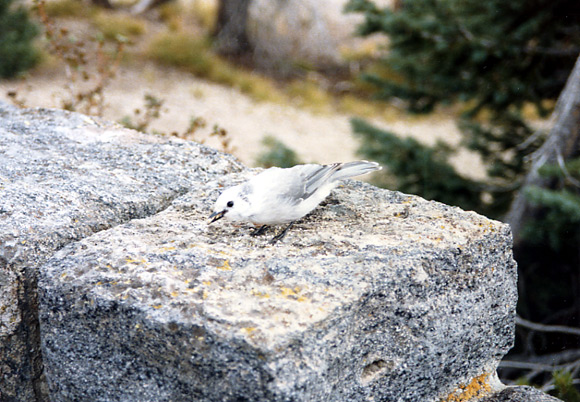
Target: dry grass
<point>183,43</point>
<point>172,15</point>
<point>184,51</point>
<point>205,14</point>
<point>114,25</point>
<point>68,9</point>
<point>194,54</point>
<point>309,95</point>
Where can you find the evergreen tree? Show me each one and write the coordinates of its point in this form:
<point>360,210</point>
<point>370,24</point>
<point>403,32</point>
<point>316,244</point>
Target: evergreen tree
<point>416,168</point>
<point>17,32</point>
<point>493,57</point>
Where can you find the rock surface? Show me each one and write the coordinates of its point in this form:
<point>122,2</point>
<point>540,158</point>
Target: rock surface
<point>63,177</point>
<point>520,394</point>
<point>376,295</point>
<point>303,32</point>
<point>359,295</point>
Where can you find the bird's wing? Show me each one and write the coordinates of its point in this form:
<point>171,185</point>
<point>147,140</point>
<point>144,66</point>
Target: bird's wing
<point>289,186</point>
<point>298,183</point>
<point>317,176</point>
<point>304,180</point>
<point>351,169</point>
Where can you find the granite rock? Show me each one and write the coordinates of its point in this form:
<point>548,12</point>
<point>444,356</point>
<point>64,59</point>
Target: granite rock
<point>63,177</point>
<point>108,267</point>
<point>520,394</point>
<point>376,295</point>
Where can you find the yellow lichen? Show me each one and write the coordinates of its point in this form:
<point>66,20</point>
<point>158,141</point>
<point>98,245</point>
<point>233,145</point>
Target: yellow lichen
<point>225,266</point>
<point>293,293</point>
<point>477,388</point>
<point>248,330</point>
<point>289,292</point>
<point>259,294</point>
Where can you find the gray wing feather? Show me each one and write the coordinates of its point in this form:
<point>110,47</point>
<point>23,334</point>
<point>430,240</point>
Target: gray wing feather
<point>317,178</point>
<point>351,169</point>
<point>336,171</point>
<point>311,177</point>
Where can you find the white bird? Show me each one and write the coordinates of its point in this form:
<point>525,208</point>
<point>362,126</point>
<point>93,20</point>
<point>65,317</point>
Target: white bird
<point>279,196</point>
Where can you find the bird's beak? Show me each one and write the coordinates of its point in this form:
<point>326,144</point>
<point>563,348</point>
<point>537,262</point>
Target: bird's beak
<point>217,216</point>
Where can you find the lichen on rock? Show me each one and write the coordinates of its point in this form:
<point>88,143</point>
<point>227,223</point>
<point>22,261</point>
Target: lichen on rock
<point>375,295</point>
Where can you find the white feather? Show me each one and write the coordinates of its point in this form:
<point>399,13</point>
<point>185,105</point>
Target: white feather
<point>278,196</point>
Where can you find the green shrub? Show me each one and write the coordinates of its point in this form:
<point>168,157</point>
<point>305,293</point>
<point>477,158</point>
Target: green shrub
<point>564,386</point>
<point>17,53</point>
<point>277,154</point>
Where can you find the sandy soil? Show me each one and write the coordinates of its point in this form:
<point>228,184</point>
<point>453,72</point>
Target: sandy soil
<point>322,138</point>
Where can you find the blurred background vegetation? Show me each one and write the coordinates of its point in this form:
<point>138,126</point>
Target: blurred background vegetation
<point>508,72</point>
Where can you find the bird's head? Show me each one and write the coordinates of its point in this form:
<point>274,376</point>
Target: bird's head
<point>232,205</point>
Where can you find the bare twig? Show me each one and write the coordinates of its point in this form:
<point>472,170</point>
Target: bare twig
<point>567,174</point>
<point>547,328</point>
<point>539,367</point>
<point>550,385</point>
<point>562,357</point>
<point>78,67</point>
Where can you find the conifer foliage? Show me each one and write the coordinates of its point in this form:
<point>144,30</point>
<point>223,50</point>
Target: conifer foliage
<point>494,58</point>
<point>17,32</point>
<point>418,169</point>
<point>498,54</point>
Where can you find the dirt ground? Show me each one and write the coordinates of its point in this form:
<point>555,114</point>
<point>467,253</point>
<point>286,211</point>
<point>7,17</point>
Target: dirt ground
<point>316,137</point>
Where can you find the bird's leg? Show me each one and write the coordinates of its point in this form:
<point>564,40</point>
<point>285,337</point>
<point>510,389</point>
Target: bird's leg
<point>281,235</point>
<point>259,231</point>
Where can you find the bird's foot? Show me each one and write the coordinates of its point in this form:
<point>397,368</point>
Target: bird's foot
<point>281,235</point>
<point>259,231</point>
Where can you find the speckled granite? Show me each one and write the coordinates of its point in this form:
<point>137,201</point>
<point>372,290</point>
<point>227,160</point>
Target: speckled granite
<point>63,177</point>
<point>376,295</point>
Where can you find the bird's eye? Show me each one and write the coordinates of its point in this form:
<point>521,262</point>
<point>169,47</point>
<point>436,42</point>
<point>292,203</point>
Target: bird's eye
<point>230,204</point>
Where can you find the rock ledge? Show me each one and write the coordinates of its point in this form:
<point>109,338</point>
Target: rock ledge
<point>376,295</point>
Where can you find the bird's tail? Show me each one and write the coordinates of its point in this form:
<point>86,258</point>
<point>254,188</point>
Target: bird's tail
<point>351,169</point>
<point>337,171</point>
